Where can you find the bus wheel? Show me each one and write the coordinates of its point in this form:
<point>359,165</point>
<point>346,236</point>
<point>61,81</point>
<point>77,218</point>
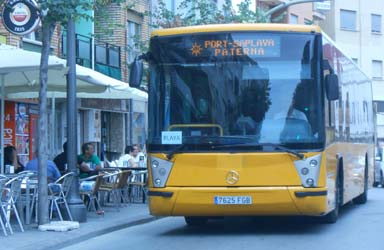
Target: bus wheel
<point>195,220</point>
<point>375,184</point>
<point>332,217</point>
<point>362,198</point>
<point>380,182</point>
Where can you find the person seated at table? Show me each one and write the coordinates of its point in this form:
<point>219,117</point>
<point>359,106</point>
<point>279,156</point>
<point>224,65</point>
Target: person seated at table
<point>61,160</point>
<point>53,172</point>
<point>127,159</point>
<point>139,156</point>
<point>11,158</point>
<point>88,162</point>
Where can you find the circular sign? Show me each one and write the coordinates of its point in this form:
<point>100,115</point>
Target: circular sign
<point>21,17</point>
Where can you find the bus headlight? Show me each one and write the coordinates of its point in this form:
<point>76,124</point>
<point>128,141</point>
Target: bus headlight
<point>310,182</point>
<point>304,171</point>
<point>155,164</point>
<point>157,181</point>
<point>313,163</point>
<point>309,170</point>
<point>160,170</point>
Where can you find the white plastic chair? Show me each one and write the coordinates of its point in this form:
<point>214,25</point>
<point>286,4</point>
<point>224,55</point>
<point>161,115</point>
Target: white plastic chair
<point>3,221</point>
<point>137,186</point>
<point>9,196</point>
<point>58,193</point>
<point>92,194</point>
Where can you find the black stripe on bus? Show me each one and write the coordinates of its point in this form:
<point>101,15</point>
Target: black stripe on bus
<point>310,193</point>
<point>158,193</point>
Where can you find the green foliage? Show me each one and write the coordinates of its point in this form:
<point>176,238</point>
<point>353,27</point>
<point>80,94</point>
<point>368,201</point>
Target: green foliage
<point>200,12</point>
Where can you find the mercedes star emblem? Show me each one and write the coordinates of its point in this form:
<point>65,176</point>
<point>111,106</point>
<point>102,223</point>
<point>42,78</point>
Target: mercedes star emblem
<point>232,177</point>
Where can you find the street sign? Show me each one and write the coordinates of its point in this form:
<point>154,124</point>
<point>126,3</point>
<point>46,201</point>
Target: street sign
<point>21,17</point>
<point>326,5</point>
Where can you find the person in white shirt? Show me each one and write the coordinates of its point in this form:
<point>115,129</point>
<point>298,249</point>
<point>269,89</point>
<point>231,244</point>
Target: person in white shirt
<point>127,160</point>
<point>139,156</point>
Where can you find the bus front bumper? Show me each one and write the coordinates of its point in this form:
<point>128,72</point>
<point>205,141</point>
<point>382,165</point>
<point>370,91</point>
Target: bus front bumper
<point>192,201</point>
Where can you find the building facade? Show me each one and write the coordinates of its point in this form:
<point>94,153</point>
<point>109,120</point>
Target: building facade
<point>295,14</point>
<point>110,123</point>
<point>357,27</point>
<point>108,45</point>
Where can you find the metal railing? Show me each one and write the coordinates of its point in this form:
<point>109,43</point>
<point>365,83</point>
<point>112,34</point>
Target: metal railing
<point>104,57</point>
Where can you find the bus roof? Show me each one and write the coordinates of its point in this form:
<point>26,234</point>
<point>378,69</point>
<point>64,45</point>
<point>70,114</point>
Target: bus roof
<point>236,27</point>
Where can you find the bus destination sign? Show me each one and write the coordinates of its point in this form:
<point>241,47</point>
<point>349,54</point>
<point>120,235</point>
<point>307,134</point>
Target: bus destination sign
<point>260,47</point>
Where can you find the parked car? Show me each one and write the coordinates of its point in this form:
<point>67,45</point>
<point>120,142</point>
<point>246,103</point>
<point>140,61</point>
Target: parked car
<point>379,172</point>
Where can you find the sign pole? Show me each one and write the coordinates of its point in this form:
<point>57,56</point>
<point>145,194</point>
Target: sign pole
<point>76,205</point>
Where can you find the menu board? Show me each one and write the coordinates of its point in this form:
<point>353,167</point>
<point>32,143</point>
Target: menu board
<point>22,132</point>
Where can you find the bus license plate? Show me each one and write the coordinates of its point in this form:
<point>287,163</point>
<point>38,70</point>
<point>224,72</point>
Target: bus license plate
<point>233,200</point>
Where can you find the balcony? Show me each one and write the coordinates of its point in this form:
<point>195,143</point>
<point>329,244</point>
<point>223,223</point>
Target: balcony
<point>103,57</point>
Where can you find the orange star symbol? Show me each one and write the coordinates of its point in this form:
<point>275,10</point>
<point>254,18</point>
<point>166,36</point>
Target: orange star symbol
<point>196,49</point>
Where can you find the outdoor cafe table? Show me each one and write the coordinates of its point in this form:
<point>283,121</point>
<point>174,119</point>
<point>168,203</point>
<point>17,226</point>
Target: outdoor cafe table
<point>30,184</point>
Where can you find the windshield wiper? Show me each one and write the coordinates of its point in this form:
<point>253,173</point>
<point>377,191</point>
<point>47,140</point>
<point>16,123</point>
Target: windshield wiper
<point>210,141</point>
<point>174,151</point>
<point>285,149</point>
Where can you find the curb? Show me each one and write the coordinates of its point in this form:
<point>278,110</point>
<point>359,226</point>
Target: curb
<point>110,229</point>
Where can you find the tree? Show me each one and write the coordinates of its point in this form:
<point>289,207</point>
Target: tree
<point>191,12</point>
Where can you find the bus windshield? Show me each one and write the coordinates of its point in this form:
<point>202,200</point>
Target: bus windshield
<point>236,88</point>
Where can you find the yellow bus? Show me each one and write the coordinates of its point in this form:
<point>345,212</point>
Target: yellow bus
<point>255,119</point>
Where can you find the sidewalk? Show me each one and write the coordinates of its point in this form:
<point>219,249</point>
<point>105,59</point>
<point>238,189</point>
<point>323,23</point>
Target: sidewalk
<point>129,215</point>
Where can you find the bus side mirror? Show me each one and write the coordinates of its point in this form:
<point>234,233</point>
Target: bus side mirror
<point>136,73</point>
<point>332,87</point>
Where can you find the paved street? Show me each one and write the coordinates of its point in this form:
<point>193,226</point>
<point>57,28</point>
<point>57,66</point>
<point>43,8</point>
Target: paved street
<point>359,227</point>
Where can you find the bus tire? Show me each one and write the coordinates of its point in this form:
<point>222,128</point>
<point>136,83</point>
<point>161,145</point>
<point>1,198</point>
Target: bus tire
<point>375,184</point>
<point>195,220</point>
<point>332,216</point>
<point>362,198</point>
<point>381,182</point>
